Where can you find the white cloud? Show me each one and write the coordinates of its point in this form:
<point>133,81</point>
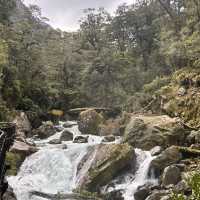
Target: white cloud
<point>64,14</point>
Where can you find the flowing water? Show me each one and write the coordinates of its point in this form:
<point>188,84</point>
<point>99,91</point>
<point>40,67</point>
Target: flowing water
<point>53,169</point>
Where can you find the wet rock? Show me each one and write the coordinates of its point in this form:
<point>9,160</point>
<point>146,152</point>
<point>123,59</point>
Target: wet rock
<point>69,125</point>
<point>23,148</point>
<point>55,141</point>
<point>171,175</point>
<point>142,193</point>
<point>64,146</point>
<point>156,150</point>
<point>114,195</point>
<point>102,163</point>
<point>158,195</point>
<point>23,126</point>
<point>146,132</point>
<point>59,128</point>
<point>9,195</point>
<point>45,131</point>
<point>81,139</point>
<point>89,122</point>
<point>168,157</point>
<point>66,136</point>
<point>110,138</point>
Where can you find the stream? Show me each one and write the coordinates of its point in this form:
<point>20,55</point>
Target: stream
<point>53,169</point>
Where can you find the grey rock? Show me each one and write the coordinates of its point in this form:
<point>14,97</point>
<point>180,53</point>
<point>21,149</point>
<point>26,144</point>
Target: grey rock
<point>146,132</point>
<point>69,125</point>
<point>81,139</point>
<point>193,137</point>
<point>156,150</point>
<point>55,141</point>
<point>168,157</point>
<point>158,195</point>
<point>59,128</point>
<point>46,130</point>
<point>171,175</point>
<point>142,193</point>
<point>66,136</point>
<point>110,138</point>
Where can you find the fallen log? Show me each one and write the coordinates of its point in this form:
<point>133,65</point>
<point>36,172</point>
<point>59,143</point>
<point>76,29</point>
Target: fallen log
<point>79,110</point>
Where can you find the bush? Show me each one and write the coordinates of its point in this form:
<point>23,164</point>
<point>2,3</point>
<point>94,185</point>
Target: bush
<point>194,183</point>
<point>156,84</point>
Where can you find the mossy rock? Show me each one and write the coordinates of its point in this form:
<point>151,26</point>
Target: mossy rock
<point>90,121</point>
<point>146,132</point>
<point>102,163</point>
<point>14,160</point>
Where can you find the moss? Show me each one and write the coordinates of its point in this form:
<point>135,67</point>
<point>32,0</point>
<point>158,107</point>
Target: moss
<point>14,161</point>
<point>187,106</point>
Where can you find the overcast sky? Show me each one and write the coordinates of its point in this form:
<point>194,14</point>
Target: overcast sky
<point>64,14</point>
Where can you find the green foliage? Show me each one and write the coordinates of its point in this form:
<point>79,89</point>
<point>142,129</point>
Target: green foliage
<point>114,61</point>
<point>14,160</point>
<point>4,111</point>
<point>194,183</point>
<point>156,84</point>
<point>6,6</point>
<point>177,197</point>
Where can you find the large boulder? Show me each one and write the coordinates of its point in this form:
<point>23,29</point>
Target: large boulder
<point>111,127</point>
<point>46,130</point>
<point>89,122</point>
<point>168,157</point>
<point>142,192</point>
<point>102,163</point>
<point>146,132</point>
<point>23,126</point>
<point>171,175</point>
<point>23,148</point>
<point>66,136</point>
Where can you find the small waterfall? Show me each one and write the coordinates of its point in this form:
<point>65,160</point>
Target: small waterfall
<point>130,182</point>
<point>144,159</point>
<point>53,169</point>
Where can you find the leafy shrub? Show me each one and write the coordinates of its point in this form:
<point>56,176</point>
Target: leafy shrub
<point>194,183</point>
<point>156,84</point>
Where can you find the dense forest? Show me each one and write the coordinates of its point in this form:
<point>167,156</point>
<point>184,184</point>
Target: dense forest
<point>109,62</point>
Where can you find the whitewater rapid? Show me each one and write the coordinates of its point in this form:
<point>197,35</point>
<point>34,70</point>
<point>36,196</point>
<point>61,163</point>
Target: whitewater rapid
<point>53,169</point>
